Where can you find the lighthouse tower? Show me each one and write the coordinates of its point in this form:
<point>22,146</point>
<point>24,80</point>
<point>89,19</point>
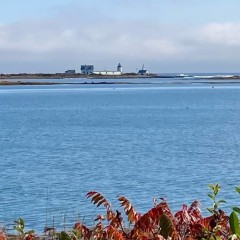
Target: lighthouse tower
<point>119,68</point>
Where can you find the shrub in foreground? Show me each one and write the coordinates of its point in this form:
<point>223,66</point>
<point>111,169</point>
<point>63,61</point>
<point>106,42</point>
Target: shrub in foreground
<point>159,223</point>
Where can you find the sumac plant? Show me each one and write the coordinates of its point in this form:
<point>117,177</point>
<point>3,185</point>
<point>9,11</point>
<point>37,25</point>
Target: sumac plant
<point>158,223</point>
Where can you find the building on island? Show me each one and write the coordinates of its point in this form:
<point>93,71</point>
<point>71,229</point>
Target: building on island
<point>119,68</point>
<point>70,72</point>
<point>110,73</point>
<point>143,71</point>
<point>87,69</point>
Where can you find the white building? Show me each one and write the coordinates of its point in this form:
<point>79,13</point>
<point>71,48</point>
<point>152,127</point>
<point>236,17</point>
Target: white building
<point>87,69</point>
<point>143,71</point>
<point>119,68</point>
<point>110,73</point>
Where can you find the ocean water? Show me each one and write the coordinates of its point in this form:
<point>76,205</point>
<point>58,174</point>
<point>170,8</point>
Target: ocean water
<point>141,141</point>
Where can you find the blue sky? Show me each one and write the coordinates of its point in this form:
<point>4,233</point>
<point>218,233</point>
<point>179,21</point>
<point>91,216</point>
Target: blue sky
<point>166,35</point>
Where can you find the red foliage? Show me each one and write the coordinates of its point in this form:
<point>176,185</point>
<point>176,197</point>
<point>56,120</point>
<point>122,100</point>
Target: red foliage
<point>217,225</point>
<point>129,210</point>
<point>157,224</point>
<point>98,199</point>
<point>29,237</point>
<point>114,234</point>
<point>2,236</point>
<point>86,233</point>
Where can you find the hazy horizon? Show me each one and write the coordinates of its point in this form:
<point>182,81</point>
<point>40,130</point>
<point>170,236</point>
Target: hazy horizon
<point>167,36</point>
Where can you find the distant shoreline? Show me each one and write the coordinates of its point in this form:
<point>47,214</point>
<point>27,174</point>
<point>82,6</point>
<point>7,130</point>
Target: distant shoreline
<point>11,83</point>
<point>28,79</point>
<point>17,83</point>
<point>56,76</point>
<point>76,75</point>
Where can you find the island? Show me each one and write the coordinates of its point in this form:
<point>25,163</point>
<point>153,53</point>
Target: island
<point>30,78</point>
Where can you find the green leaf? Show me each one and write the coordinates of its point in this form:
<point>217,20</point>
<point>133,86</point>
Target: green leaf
<point>236,209</point>
<point>210,210</point>
<point>18,229</point>
<point>64,236</point>
<point>211,186</point>
<point>166,226</point>
<point>21,222</point>
<point>221,201</point>
<point>211,196</point>
<point>234,223</point>
<point>215,206</point>
<point>216,189</point>
<point>237,189</point>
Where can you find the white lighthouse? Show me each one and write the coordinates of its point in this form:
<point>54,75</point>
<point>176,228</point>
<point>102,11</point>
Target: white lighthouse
<point>119,68</point>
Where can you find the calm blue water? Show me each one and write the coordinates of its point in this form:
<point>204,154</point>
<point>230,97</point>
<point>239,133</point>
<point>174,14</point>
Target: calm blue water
<point>140,141</point>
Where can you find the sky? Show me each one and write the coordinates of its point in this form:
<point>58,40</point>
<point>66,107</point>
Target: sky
<point>167,36</point>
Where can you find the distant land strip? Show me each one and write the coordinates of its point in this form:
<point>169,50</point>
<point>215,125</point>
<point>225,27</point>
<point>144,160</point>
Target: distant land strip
<point>20,78</point>
<point>98,76</point>
<point>12,83</point>
<point>76,75</point>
